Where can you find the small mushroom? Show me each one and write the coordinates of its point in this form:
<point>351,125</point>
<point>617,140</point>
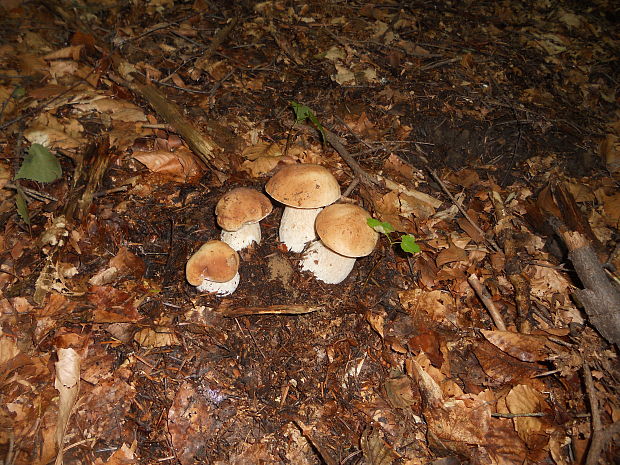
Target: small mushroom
<point>238,214</point>
<point>304,189</point>
<point>344,235</point>
<point>214,268</point>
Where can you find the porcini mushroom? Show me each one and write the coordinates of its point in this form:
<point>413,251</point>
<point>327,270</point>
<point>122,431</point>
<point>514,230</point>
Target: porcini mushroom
<point>214,268</point>
<point>238,214</point>
<point>304,190</point>
<point>344,236</point>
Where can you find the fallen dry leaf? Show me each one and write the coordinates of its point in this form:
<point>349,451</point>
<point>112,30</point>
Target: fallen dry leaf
<point>68,385</point>
<point>180,165</point>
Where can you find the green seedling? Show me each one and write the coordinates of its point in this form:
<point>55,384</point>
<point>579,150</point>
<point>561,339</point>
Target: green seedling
<point>39,165</point>
<point>303,113</point>
<point>406,241</point>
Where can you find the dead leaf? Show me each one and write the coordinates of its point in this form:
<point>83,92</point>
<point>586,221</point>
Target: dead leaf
<point>437,304</point>
<point>376,450</point>
<point>156,337</point>
<point>68,385</point>
<point>525,347</point>
<point>450,255</point>
<point>180,164</point>
<point>524,399</point>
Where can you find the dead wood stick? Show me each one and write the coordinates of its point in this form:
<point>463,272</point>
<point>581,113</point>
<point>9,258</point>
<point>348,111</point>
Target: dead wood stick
<point>365,178</point>
<point>271,309</point>
<point>600,297</point>
<point>205,148</point>
<point>484,296</point>
<point>219,38</point>
<point>600,436</point>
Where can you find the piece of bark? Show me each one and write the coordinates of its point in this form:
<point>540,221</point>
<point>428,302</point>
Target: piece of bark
<point>600,297</point>
<point>88,174</point>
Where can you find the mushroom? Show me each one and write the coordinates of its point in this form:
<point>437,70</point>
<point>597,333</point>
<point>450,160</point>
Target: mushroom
<point>238,213</point>
<point>304,190</point>
<point>345,235</point>
<point>214,268</point>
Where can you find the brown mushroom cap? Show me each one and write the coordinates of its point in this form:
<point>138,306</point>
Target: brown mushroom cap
<point>304,186</point>
<point>344,229</point>
<point>241,206</point>
<point>215,261</point>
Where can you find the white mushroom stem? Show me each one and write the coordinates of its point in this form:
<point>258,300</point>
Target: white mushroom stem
<point>243,237</point>
<point>297,227</point>
<point>326,265</point>
<point>221,289</point>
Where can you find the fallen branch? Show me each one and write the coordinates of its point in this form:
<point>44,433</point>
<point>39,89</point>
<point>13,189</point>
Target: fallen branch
<point>202,146</point>
<point>600,297</point>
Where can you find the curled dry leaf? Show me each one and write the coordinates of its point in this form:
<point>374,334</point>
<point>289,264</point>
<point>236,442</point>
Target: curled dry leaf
<point>525,347</point>
<point>180,164</point>
<point>68,385</point>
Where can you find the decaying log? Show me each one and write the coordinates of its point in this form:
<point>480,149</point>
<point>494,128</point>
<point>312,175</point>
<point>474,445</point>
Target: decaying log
<point>205,148</point>
<point>600,297</point>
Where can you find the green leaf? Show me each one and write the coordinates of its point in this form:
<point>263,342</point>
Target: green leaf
<point>408,244</point>
<point>22,206</point>
<point>18,93</point>
<point>382,227</point>
<point>302,112</point>
<point>39,165</point>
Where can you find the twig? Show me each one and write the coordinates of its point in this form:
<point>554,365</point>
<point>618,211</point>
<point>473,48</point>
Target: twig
<point>517,415</point>
<point>358,138</point>
<point>491,242</point>
<point>359,172</point>
<point>353,185</point>
<point>270,310</point>
<point>484,296</point>
<point>505,233</point>
<point>600,436</point>
<point>216,42</point>
<point>32,193</point>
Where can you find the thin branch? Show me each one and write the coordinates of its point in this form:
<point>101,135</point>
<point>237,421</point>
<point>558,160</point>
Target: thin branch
<point>484,296</point>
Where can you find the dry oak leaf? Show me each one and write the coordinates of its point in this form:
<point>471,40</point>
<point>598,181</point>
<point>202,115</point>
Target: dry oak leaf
<point>438,304</point>
<point>464,424</point>
<point>156,337</point>
<point>180,164</point>
<point>525,347</point>
<point>525,399</point>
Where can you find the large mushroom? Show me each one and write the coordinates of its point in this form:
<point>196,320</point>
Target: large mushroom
<point>304,190</point>
<point>214,268</point>
<point>344,236</point>
<point>238,214</point>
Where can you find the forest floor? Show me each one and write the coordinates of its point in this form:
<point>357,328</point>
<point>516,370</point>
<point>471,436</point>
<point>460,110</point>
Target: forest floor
<point>489,131</point>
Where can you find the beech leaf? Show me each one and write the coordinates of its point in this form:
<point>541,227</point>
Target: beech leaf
<point>39,165</point>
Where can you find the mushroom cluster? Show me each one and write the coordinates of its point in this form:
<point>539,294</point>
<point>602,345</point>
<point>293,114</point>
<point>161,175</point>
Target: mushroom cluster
<point>308,193</point>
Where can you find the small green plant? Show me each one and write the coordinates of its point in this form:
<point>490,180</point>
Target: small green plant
<point>407,241</point>
<point>303,113</point>
<point>39,165</point>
